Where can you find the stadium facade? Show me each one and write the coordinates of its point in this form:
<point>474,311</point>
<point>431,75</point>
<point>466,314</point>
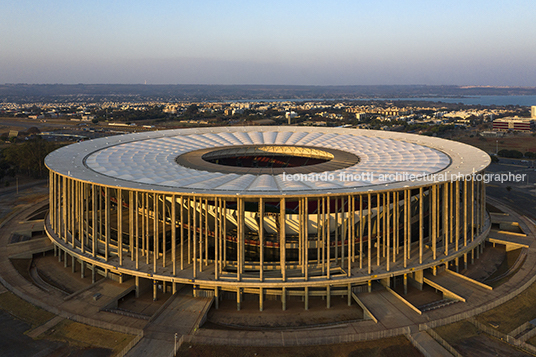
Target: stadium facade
<point>267,211</point>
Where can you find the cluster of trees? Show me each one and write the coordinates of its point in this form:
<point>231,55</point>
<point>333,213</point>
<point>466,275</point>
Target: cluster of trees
<point>27,158</point>
<point>154,112</point>
<point>514,154</point>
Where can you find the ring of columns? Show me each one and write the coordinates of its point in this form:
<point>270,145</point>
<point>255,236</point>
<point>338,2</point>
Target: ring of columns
<point>126,207</point>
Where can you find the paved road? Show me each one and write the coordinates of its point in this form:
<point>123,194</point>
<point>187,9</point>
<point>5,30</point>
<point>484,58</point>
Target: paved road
<point>522,195</point>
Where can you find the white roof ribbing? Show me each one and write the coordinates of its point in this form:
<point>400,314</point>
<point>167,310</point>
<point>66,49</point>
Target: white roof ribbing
<point>135,160</point>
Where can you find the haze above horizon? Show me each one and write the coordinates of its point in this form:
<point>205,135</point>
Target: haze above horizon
<point>252,42</point>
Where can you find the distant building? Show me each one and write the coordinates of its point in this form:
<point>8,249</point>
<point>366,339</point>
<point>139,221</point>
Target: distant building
<point>361,116</point>
<point>290,115</point>
<point>533,112</point>
<point>513,124</point>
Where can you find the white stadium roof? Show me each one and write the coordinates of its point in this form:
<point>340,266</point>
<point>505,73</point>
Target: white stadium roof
<point>147,161</point>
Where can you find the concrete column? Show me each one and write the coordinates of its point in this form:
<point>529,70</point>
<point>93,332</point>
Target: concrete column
<point>73,264</point>
<point>284,299</point>
<point>119,225</point>
<point>405,284</point>
<point>174,236</point>
<point>457,260</point>
<point>261,241</point>
<point>107,222</point>
<point>174,288</point>
<point>369,239</point>
<point>349,294</point>
<point>82,269</point>
<point>405,236</point>
<point>283,240</point>
<point>131,224</point>
<point>201,237</point>
<point>306,298</point>
<point>181,224</point>
<point>65,259</point>
<point>434,270</point>
<point>465,215</point>
<point>465,261</point>
<point>93,280</point>
<point>386,282</point>
<point>328,296</point>
<point>194,236</point>
<point>120,278</point>
<point>361,227</point>
<point>156,209</point>
<point>433,212</point>
<point>369,286</point>
<point>387,232</point>
<point>155,290</point>
<point>238,298</point>
<point>472,210</point>
<point>306,237</point>
<point>457,217</point>
<point>421,224</point>
<point>94,221</point>
<point>378,230</point>
<point>240,238</point>
<point>417,280</point>
<point>171,225</point>
<point>206,232</point>
<point>261,299</point>
<point>328,238</point>
<point>446,217</point>
<point>216,296</point>
<point>137,282</point>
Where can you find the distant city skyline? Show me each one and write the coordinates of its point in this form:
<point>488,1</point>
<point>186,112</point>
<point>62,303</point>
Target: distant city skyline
<point>276,42</point>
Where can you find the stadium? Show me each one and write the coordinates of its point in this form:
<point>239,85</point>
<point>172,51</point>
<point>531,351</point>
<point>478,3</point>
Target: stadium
<point>269,212</point>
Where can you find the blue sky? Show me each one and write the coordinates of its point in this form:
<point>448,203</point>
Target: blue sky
<point>273,42</point>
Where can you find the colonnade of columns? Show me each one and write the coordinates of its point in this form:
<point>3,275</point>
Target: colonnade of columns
<point>270,239</point>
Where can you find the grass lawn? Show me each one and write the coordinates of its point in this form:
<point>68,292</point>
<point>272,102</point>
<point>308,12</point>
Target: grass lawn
<point>23,310</point>
<point>514,312</point>
<point>80,335</point>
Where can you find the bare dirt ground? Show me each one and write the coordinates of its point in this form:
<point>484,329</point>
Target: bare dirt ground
<point>487,264</point>
<point>469,341</point>
<point>274,317</point>
<point>420,297</point>
<point>512,313</point>
<point>521,142</point>
<point>396,346</point>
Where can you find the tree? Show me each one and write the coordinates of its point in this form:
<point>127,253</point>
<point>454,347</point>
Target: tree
<point>29,157</point>
<point>192,109</point>
<point>515,154</point>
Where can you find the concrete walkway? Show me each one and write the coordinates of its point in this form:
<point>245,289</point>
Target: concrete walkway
<point>389,310</point>
<point>431,346</point>
<point>83,308</point>
<point>182,317</point>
